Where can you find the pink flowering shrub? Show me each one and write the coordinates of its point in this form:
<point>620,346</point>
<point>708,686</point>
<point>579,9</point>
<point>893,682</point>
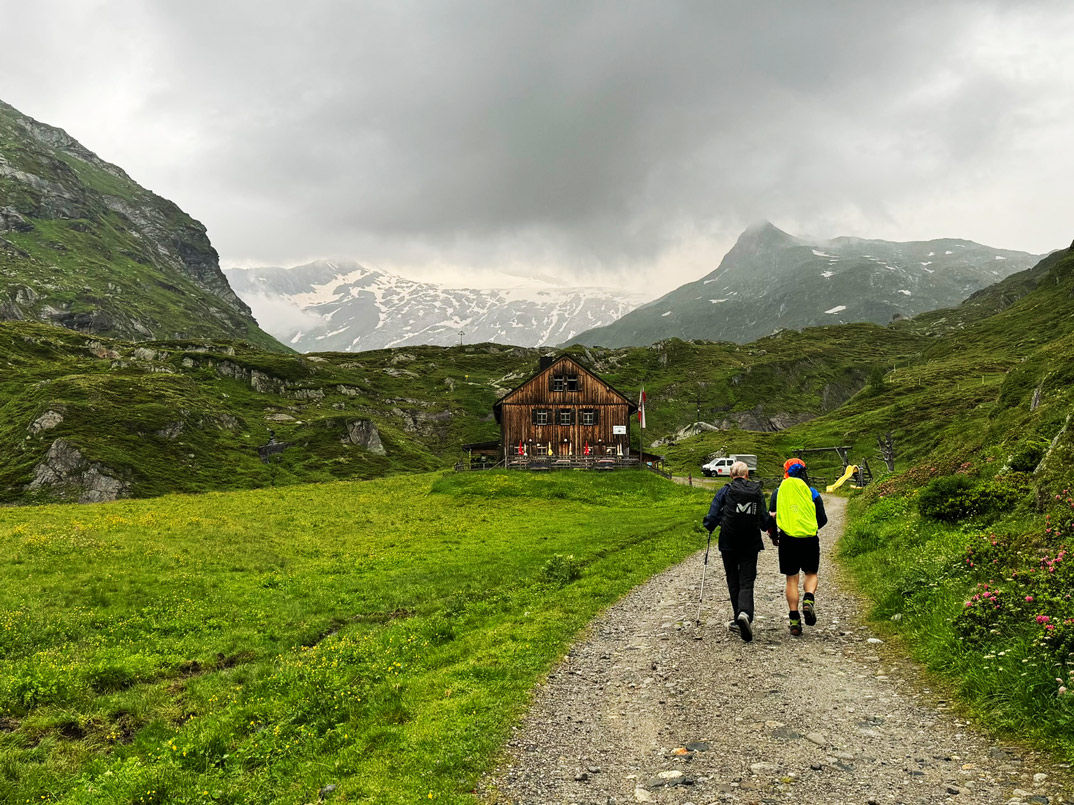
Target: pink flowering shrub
<point>1031,597</point>
<point>987,553</point>
<point>1059,522</point>
<point>1020,592</point>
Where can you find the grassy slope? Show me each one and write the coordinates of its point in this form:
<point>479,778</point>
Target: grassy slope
<point>162,417</point>
<point>256,646</point>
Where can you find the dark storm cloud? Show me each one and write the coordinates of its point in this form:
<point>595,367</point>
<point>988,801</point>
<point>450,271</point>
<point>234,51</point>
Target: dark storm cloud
<point>598,134</point>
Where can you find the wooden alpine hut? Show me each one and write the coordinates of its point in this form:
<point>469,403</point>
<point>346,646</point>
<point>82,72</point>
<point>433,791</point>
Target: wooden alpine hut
<point>565,414</point>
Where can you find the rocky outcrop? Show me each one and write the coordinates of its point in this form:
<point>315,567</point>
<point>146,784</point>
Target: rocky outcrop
<point>364,433</point>
<point>685,432</point>
<point>756,419</point>
<point>259,381</point>
<point>12,221</point>
<point>67,474</point>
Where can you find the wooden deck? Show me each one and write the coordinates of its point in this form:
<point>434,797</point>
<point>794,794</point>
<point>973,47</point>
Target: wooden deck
<point>550,463</point>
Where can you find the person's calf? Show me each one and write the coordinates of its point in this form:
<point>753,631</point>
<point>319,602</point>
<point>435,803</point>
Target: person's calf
<point>792,593</point>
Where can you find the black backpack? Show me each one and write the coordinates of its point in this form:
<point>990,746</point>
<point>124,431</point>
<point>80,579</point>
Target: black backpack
<point>741,517</point>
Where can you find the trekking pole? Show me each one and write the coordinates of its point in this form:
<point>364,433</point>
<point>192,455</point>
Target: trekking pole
<point>704,567</point>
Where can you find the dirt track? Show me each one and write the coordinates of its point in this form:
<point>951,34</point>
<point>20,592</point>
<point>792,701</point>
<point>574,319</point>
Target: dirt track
<point>831,717</point>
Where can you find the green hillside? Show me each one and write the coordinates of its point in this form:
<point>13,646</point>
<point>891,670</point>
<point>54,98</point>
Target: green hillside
<point>85,418</point>
<point>85,247</point>
<point>985,379</point>
<point>254,647</point>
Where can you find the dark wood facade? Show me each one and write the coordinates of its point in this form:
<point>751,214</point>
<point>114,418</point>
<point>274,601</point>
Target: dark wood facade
<point>562,409</point>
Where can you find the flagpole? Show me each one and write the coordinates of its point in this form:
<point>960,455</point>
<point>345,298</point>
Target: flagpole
<point>641,422</point>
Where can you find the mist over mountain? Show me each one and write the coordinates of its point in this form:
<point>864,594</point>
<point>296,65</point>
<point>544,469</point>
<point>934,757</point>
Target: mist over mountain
<point>85,247</point>
<point>342,306</point>
<point>771,280</point>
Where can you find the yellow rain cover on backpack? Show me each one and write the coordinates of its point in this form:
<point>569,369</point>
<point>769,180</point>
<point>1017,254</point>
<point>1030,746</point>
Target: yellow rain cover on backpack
<point>796,514</point>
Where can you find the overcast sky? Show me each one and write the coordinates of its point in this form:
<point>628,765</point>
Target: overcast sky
<point>594,141</point>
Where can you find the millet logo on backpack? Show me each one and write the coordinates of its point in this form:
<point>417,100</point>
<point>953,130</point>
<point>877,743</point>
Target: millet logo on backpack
<point>746,508</point>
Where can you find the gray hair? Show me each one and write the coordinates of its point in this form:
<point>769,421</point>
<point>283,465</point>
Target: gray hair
<point>740,470</point>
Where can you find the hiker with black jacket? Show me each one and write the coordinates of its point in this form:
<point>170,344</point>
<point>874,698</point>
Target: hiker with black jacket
<point>739,511</point>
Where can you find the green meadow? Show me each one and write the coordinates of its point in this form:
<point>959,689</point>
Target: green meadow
<point>259,646</point>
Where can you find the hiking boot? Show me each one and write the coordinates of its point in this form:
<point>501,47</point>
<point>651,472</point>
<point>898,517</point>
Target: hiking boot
<point>796,627</point>
<point>732,626</point>
<point>809,612</point>
<point>745,630</point>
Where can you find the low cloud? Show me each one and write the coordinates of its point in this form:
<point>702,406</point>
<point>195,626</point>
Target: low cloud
<point>601,139</point>
<point>282,318</point>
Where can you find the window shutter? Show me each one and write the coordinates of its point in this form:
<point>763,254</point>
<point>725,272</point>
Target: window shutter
<point>596,416</point>
<point>533,416</point>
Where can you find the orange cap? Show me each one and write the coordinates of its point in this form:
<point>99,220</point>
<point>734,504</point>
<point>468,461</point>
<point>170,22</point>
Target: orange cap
<point>790,462</point>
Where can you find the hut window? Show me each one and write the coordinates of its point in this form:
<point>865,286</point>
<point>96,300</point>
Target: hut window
<point>566,416</point>
<point>572,383</point>
<point>590,416</point>
<point>565,383</point>
<point>559,384</point>
<point>540,416</point>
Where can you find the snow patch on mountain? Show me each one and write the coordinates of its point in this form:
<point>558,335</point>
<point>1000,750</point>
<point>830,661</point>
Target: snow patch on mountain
<point>344,306</point>
<point>837,309</point>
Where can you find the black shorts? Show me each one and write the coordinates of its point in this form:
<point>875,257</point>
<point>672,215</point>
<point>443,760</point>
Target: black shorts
<point>798,554</point>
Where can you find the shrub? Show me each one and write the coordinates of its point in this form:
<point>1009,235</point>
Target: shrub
<point>954,497</point>
<point>989,553</point>
<point>1033,599</point>
<point>875,382</point>
<point>948,498</point>
<point>1060,521</point>
<point>1027,455</point>
<point>561,570</point>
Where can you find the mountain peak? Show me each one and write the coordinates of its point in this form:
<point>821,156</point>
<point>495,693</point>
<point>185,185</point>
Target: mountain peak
<point>764,234</point>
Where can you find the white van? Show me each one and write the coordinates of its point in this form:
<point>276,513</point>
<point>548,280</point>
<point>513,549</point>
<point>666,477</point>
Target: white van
<point>722,466</point>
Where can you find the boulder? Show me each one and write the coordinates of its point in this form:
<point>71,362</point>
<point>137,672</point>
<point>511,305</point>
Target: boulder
<point>46,421</point>
<point>363,433</point>
<point>11,220</point>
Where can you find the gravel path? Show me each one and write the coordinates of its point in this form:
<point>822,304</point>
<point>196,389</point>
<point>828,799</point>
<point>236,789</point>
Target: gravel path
<point>650,708</point>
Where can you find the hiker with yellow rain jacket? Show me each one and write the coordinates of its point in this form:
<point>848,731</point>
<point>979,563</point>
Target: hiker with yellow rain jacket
<point>798,511</point>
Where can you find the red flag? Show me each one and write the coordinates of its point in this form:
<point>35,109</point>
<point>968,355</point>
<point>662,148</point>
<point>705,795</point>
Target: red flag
<point>641,407</point>
<point>520,447</point>
<point>587,447</point>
